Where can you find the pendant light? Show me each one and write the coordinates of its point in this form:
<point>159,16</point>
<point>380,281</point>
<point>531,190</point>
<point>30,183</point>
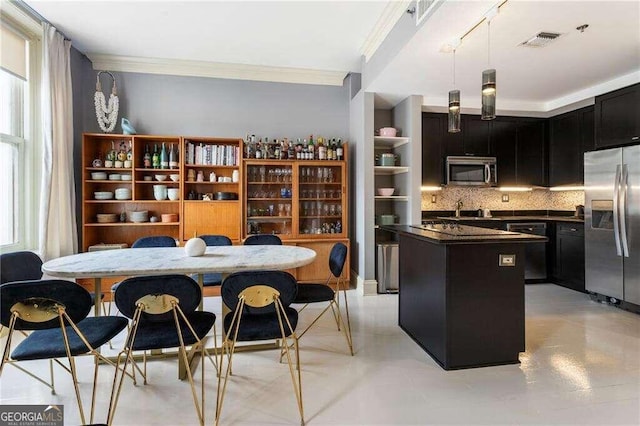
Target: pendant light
<point>454,102</point>
<point>489,79</point>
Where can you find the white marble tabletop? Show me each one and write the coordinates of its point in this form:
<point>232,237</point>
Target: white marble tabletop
<point>170,260</point>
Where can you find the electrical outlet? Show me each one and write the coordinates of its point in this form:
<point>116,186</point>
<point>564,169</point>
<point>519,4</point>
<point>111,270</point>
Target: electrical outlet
<point>507,260</point>
<point>505,198</point>
<point>434,198</point>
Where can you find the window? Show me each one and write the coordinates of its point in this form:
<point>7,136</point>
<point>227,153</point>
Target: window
<point>19,153</point>
<point>12,104</point>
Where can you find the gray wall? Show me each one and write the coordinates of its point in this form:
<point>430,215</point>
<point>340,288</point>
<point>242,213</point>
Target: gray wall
<point>196,106</point>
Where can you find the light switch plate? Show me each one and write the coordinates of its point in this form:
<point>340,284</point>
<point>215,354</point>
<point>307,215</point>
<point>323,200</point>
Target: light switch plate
<point>507,260</point>
<point>505,198</point>
<point>434,198</point>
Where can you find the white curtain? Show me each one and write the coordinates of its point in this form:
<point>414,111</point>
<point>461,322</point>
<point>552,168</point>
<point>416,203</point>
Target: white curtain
<point>58,234</point>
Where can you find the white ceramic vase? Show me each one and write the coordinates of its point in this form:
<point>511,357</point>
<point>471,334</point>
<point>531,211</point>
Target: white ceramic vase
<point>195,247</point>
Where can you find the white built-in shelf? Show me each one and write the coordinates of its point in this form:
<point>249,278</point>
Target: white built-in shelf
<point>390,170</point>
<point>392,197</point>
<point>386,142</point>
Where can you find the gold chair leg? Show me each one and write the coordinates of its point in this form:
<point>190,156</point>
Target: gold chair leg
<point>297,385</point>
<point>116,387</point>
<point>228,345</point>
<point>72,364</point>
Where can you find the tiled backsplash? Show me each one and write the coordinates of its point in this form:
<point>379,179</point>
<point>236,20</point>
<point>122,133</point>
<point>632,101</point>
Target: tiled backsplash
<point>489,198</point>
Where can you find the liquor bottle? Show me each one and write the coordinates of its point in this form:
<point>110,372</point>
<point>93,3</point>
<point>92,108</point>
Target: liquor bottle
<point>259,149</point>
<point>292,151</point>
<point>112,156</point>
<point>122,152</point>
<point>155,158</point>
<point>310,148</point>
<point>164,158</point>
<point>146,159</point>
<point>173,158</point>
<point>340,151</point>
<point>129,161</point>
<point>329,150</point>
<point>277,151</point>
<point>322,150</point>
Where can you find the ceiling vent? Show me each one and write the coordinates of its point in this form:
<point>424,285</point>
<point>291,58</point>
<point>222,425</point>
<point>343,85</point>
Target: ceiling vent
<point>424,8</point>
<point>541,39</point>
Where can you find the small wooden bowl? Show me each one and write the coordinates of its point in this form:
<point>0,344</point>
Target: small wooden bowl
<point>169,217</point>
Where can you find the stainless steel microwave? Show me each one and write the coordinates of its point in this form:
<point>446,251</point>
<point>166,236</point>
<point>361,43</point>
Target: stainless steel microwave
<point>472,171</point>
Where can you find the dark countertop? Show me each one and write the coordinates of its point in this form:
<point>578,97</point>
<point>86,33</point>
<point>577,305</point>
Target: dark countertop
<point>491,235</point>
<point>514,218</point>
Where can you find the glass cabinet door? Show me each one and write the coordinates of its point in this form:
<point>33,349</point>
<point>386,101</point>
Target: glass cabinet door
<point>321,201</point>
<point>269,196</point>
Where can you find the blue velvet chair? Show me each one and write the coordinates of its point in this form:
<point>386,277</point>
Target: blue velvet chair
<point>213,279</point>
<point>259,310</point>
<point>163,315</point>
<point>147,242</point>
<point>26,265</point>
<point>329,292</point>
<point>41,306</point>
<point>262,240</point>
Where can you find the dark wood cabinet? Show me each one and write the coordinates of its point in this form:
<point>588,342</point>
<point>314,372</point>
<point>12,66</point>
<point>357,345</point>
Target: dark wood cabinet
<point>518,143</point>
<point>569,256</point>
<point>617,117</point>
<point>570,136</point>
<point>434,128</point>
<point>531,166</point>
<point>475,135</point>
<point>504,136</point>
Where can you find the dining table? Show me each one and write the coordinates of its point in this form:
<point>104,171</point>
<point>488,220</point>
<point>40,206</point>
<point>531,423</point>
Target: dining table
<point>174,260</point>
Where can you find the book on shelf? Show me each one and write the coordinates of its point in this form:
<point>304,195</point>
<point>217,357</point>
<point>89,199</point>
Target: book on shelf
<point>212,155</point>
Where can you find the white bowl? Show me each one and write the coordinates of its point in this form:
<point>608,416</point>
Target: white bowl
<point>125,177</point>
<point>386,192</point>
<point>388,132</point>
<point>123,194</point>
<point>103,195</point>
<point>161,178</point>
<point>99,175</point>
<point>114,177</point>
<point>140,216</point>
<point>175,177</point>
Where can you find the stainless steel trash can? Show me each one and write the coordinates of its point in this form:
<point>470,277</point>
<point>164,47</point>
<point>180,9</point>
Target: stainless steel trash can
<point>388,268</point>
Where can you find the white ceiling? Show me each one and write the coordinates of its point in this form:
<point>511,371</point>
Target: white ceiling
<point>329,35</point>
<point>535,79</point>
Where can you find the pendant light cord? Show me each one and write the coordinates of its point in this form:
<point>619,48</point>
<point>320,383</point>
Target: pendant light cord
<point>454,68</point>
<point>489,42</point>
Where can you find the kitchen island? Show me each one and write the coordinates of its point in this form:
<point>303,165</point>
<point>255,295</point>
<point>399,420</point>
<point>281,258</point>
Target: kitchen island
<point>462,292</point>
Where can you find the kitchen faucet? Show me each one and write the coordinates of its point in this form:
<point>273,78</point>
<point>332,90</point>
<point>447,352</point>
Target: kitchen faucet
<point>458,207</point>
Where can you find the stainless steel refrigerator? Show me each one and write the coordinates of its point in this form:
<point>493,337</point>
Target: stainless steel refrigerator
<point>612,223</point>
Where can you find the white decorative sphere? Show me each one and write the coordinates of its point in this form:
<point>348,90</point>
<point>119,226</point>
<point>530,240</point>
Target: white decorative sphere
<point>195,247</point>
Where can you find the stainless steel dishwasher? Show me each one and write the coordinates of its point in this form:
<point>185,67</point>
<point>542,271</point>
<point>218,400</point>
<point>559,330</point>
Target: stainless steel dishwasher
<point>535,268</point>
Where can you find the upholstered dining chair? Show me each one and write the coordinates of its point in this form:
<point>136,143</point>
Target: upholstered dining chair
<point>329,292</point>
<point>55,312</point>
<point>147,242</point>
<point>262,239</point>
<point>213,279</point>
<point>26,265</point>
<point>163,315</point>
<point>259,310</point>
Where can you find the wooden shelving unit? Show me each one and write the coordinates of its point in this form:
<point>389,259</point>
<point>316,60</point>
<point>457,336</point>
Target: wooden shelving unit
<point>310,212</point>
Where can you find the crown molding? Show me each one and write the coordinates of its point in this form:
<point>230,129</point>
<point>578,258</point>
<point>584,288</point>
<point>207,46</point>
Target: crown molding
<point>216,70</point>
<point>596,90</point>
<point>390,15</point>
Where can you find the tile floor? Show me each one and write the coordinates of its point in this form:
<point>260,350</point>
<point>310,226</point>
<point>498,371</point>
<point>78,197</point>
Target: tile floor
<point>581,366</point>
